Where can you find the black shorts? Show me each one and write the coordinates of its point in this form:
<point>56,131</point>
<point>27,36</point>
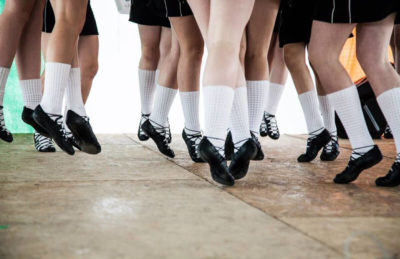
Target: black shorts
<point>277,20</point>
<point>397,21</point>
<point>172,8</point>
<point>89,28</point>
<point>296,21</point>
<point>143,14</point>
<point>354,11</point>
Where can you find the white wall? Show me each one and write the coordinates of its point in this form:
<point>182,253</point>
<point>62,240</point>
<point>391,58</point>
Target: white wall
<point>114,103</point>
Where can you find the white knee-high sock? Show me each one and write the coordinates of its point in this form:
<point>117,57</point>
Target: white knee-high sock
<point>274,95</point>
<point>347,104</point>
<point>31,92</point>
<point>74,92</point>
<point>190,106</point>
<point>218,100</point>
<point>328,114</point>
<point>309,104</point>
<point>4,72</point>
<point>256,98</point>
<point>164,97</point>
<point>147,87</point>
<point>240,117</point>
<point>56,81</point>
<point>389,101</point>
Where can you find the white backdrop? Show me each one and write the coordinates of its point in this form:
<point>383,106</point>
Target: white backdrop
<point>114,103</point>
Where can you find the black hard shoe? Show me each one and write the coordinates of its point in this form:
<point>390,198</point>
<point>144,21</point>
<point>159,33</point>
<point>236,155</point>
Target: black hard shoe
<point>168,133</point>
<point>159,135</point>
<point>260,154</point>
<point>272,126</point>
<point>72,140</point>
<point>263,127</point>
<point>229,146</point>
<point>331,150</point>
<point>141,134</point>
<point>241,159</point>
<point>43,144</point>
<point>392,178</point>
<point>218,167</point>
<point>357,165</point>
<point>314,144</point>
<point>4,133</point>
<point>27,117</point>
<point>387,134</point>
<point>83,133</point>
<point>54,126</point>
<point>192,142</point>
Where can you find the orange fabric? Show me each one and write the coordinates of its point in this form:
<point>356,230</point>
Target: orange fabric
<point>349,60</point>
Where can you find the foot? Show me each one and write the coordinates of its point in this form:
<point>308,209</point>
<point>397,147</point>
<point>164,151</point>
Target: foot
<point>192,142</point>
<point>388,133</point>
<point>260,154</point>
<point>314,144</point>
<point>43,144</point>
<point>272,126</point>
<point>229,146</point>
<point>159,135</point>
<point>53,124</point>
<point>357,165</point>
<point>241,159</point>
<point>218,167</point>
<point>72,140</point>
<point>141,134</point>
<point>168,132</point>
<point>27,117</point>
<point>392,178</point>
<point>263,128</point>
<point>83,133</point>
<point>4,133</point>
<point>331,150</point>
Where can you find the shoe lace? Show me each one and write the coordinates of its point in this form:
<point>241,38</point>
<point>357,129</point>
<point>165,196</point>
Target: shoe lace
<point>272,123</point>
<point>333,142</point>
<point>388,130</point>
<point>162,130</point>
<point>168,131</point>
<point>2,122</point>
<point>236,144</point>
<point>60,122</point>
<point>219,150</point>
<point>42,142</point>
<point>194,139</point>
<point>355,155</point>
<point>312,136</point>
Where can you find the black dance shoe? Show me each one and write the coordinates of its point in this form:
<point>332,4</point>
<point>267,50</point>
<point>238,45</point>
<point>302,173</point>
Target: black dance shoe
<point>53,124</point>
<point>271,127</point>
<point>4,133</point>
<point>387,134</point>
<point>357,165</point>
<point>142,136</point>
<point>330,151</point>
<point>314,144</point>
<point>192,142</point>
<point>27,117</point>
<point>43,144</point>
<point>392,178</point>
<point>218,167</point>
<point>83,133</point>
<point>229,146</point>
<point>241,159</point>
<point>260,154</point>
<point>159,135</point>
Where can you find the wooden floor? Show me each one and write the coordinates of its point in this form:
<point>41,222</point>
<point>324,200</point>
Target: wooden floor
<point>131,202</point>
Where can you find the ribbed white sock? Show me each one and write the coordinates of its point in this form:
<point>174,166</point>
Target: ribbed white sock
<point>218,100</point>
<point>31,92</point>
<point>256,98</point>
<point>56,81</point>
<point>328,114</point>
<point>4,72</point>
<point>147,86</point>
<point>274,95</point>
<point>309,104</point>
<point>74,92</point>
<point>164,97</point>
<point>347,104</point>
<point>190,107</point>
<point>240,117</point>
<point>389,102</point>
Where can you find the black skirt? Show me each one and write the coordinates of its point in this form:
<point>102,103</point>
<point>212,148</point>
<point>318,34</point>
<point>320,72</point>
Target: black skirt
<point>296,21</point>
<point>354,11</point>
<point>49,20</point>
<point>141,13</point>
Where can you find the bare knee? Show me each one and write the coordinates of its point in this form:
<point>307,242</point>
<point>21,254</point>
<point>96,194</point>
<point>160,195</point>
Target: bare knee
<point>256,54</point>
<point>90,70</point>
<point>294,59</point>
<point>193,51</point>
<point>17,15</point>
<point>150,56</point>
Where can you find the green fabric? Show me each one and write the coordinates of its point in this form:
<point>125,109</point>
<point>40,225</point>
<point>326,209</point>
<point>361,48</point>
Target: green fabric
<point>13,102</point>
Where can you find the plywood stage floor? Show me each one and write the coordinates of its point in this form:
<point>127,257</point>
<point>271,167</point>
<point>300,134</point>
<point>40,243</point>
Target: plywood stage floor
<point>131,202</point>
